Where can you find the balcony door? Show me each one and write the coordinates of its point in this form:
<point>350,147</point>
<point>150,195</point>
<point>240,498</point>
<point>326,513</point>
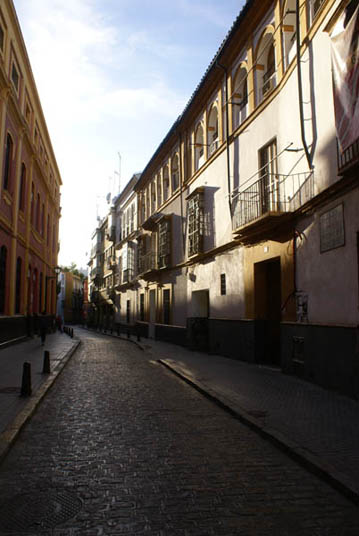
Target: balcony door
<point>268,185</point>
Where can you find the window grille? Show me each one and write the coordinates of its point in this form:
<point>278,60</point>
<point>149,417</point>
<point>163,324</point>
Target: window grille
<point>164,243</point>
<point>195,223</point>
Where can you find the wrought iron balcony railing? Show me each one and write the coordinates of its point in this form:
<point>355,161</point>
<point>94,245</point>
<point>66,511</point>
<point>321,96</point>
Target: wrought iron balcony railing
<point>349,157</point>
<point>147,262</point>
<point>272,193</point>
<point>213,147</point>
<point>269,82</point>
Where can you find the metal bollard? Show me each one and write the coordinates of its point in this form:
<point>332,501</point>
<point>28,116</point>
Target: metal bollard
<point>128,334</point>
<point>72,333</point>
<point>26,389</point>
<point>118,332</point>
<point>46,365</point>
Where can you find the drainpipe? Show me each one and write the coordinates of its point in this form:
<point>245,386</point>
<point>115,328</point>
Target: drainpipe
<point>300,89</point>
<point>227,139</point>
<point>181,192</point>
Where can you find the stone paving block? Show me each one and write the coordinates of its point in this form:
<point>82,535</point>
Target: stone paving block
<point>146,454</point>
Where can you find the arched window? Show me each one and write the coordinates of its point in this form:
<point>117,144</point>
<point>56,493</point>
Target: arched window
<point>240,97</point>
<point>288,32</point>
<point>38,213</point>
<point>199,147</point>
<point>212,135</point>
<point>42,229</point>
<point>166,183</point>
<point>175,172</point>
<point>159,189</point>
<point>22,188</point>
<point>18,285</point>
<point>34,291</point>
<point>265,72</point>
<point>3,259</point>
<point>29,290</point>
<point>8,161</point>
<point>48,230</point>
<point>32,203</point>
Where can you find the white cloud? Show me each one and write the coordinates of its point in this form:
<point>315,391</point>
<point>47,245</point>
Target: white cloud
<point>103,81</point>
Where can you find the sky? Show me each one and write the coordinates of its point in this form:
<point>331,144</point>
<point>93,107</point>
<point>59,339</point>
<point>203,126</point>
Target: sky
<point>113,76</point>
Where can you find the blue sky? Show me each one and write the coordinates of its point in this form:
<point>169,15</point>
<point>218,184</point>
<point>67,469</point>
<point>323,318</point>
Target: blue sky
<point>113,75</point>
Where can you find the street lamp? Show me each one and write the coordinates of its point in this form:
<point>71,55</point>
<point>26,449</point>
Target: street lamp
<point>57,270</point>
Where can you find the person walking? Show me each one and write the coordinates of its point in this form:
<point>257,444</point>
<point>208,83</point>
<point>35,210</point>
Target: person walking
<point>59,323</point>
<point>43,325</point>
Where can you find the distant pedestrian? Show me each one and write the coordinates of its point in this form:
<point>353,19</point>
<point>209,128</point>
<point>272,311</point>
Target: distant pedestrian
<point>43,325</point>
<point>59,323</point>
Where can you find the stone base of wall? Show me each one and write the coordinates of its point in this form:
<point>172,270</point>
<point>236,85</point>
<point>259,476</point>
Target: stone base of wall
<point>142,329</point>
<point>232,338</point>
<point>13,327</point>
<point>172,334</point>
<point>325,355</point>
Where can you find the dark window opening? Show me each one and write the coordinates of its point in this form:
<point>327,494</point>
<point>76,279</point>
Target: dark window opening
<point>2,35</point>
<point>18,285</point>
<point>142,307</point>
<point>15,76</point>
<point>223,284</point>
<point>22,187</point>
<point>8,158</point>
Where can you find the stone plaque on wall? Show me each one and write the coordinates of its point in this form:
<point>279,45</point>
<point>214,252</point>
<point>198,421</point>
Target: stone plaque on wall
<point>331,225</point>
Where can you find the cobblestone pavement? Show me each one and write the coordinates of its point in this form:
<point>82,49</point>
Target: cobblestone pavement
<point>121,446</point>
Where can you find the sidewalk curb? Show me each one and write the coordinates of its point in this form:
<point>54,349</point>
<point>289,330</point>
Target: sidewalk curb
<point>115,337</point>
<point>301,455</point>
<point>10,434</point>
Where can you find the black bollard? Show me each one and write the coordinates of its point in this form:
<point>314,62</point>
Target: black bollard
<point>26,380</point>
<point>46,365</point>
<point>118,332</point>
<point>72,333</point>
<point>128,333</point>
<point>138,336</point>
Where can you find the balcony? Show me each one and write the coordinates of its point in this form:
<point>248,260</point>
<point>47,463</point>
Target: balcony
<point>128,275</point>
<point>95,272</point>
<point>147,263</point>
<point>349,158</point>
<point>213,147</point>
<point>111,263</point>
<point>269,202</point>
<point>269,82</point>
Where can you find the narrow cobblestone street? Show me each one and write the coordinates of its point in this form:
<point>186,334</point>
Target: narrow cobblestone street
<point>121,446</point>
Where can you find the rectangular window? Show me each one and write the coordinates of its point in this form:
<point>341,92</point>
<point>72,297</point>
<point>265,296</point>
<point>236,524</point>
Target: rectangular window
<point>195,219</point>
<point>223,284</point>
<point>164,243</point>
<point>15,76</point>
<point>166,306</point>
<point>268,186</point>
